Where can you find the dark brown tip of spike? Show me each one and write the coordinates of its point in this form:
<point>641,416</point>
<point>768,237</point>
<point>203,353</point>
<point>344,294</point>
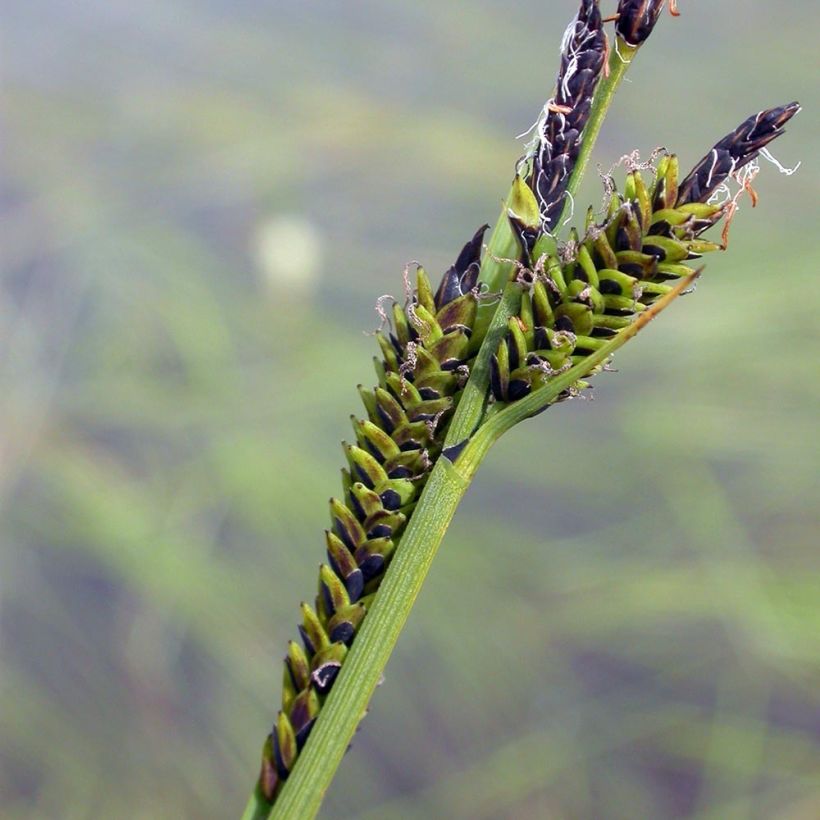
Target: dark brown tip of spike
<point>637,19</point>
<point>471,252</point>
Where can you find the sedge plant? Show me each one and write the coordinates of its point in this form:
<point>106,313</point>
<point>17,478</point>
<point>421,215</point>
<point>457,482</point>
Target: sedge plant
<point>521,321</point>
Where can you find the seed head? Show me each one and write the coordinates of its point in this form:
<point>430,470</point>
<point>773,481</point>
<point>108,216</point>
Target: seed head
<point>617,271</point>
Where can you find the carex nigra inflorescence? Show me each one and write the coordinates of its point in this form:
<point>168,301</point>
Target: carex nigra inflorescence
<point>575,296</point>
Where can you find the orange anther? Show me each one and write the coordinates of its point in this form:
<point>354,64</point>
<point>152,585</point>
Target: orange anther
<point>747,186</point>
<point>730,215</point>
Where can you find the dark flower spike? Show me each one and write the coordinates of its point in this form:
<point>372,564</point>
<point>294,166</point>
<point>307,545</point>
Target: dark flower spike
<point>461,278</point>
<point>735,150</point>
<point>566,114</point>
<point>637,18</point>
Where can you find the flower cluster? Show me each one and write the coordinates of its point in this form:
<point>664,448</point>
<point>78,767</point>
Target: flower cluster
<point>583,53</point>
<point>577,299</point>
<point>570,308</point>
<point>421,373</point>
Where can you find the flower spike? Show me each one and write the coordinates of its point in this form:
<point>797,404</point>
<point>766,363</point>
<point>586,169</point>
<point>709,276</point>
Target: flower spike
<point>622,265</point>
<point>407,415</point>
<point>735,150</point>
<point>566,114</point>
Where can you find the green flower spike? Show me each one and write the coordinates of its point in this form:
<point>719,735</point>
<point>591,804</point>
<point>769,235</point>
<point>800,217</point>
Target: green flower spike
<point>421,373</point>
<point>571,308</point>
<point>621,266</point>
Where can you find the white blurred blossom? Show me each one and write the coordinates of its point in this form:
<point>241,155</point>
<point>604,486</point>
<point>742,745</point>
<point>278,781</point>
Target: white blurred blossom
<point>288,254</point>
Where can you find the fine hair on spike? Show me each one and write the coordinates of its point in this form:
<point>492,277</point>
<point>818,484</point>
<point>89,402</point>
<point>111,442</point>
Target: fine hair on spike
<point>770,157</point>
<point>408,285</point>
<point>384,319</point>
<point>411,359</point>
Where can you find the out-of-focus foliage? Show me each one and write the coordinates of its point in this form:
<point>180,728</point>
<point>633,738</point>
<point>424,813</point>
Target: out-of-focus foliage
<point>201,203</point>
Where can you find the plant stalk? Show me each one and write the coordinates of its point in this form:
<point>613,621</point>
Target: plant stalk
<point>302,793</point>
<point>473,401</point>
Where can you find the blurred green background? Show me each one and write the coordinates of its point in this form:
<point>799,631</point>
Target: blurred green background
<point>201,203</point>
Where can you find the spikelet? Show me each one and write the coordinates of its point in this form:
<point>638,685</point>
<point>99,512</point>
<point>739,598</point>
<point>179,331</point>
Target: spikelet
<point>619,268</point>
<point>566,114</point>
<point>420,375</point>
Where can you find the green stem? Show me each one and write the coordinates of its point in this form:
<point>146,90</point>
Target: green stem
<point>258,808</point>
<point>502,247</point>
<point>471,404</point>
